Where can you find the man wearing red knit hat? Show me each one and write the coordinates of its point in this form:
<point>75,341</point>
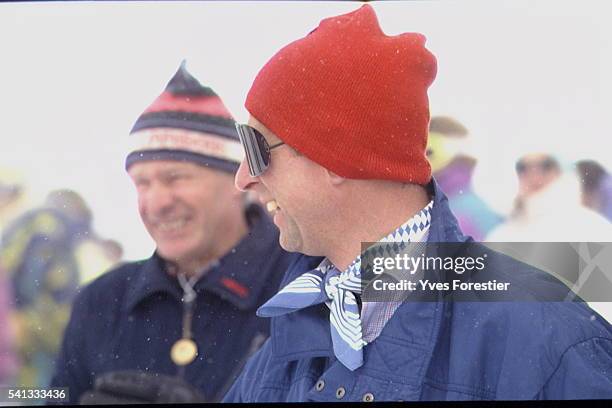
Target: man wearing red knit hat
<point>336,150</point>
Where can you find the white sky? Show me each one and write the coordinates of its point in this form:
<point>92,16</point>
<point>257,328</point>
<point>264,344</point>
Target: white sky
<point>74,78</point>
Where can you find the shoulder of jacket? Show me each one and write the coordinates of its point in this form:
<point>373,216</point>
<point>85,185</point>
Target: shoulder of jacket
<point>110,284</point>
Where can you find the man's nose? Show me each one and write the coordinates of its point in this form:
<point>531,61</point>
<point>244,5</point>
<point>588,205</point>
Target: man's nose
<point>243,179</point>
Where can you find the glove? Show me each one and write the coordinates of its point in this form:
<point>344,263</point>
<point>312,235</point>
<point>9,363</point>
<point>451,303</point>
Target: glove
<point>138,387</point>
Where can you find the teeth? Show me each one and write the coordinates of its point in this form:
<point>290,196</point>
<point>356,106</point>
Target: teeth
<point>171,225</point>
<point>271,206</point>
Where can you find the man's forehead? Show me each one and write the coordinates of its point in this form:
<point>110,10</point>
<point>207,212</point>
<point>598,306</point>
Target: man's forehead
<point>270,137</point>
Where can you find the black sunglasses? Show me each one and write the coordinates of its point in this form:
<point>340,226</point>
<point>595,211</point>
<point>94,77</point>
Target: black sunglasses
<point>256,149</point>
<point>544,165</point>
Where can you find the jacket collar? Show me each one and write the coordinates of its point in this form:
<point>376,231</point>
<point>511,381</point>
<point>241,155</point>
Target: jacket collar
<point>239,277</point>
<point>305,333</point>
<point>444,225</point>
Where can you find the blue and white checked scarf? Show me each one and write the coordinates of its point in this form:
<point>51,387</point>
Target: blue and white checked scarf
<point>326,284</point>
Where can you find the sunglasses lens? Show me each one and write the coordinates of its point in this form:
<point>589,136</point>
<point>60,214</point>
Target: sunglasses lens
<point>256,149</point>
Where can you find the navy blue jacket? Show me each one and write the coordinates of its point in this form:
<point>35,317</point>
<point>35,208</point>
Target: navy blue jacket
<point>441,350</point>
<point>131,316</point>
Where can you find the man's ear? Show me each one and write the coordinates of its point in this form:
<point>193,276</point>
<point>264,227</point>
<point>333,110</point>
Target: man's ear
<point>333,178</point>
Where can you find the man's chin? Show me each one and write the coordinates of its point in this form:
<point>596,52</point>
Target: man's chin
<point>173,254</point>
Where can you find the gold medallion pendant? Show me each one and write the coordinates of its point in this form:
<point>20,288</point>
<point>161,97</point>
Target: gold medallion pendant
<point>183,352</point>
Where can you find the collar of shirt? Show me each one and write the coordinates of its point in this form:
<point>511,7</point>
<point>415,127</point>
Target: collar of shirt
<point>238,277</point>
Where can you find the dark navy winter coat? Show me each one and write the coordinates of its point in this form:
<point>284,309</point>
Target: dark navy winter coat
<point>130,317</point>
<point>442,350</point>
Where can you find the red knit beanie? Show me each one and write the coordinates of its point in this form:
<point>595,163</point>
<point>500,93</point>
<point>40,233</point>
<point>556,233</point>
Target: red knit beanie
<point>351,98</point>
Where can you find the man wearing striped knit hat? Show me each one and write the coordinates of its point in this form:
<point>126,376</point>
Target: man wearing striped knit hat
<point>336,149</point>
<point>179,326</point>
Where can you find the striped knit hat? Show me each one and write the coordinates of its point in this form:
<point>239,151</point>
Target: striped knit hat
<point>187,122</point>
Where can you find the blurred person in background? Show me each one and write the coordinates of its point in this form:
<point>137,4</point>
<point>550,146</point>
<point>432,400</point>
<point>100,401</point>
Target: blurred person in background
<point>596,187</point>
<point>453,169</point>
<point>38,253</point>
<point>179,326</point>
<point>548,207</point>
<point>9,193</point>
<point>8,357</point>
